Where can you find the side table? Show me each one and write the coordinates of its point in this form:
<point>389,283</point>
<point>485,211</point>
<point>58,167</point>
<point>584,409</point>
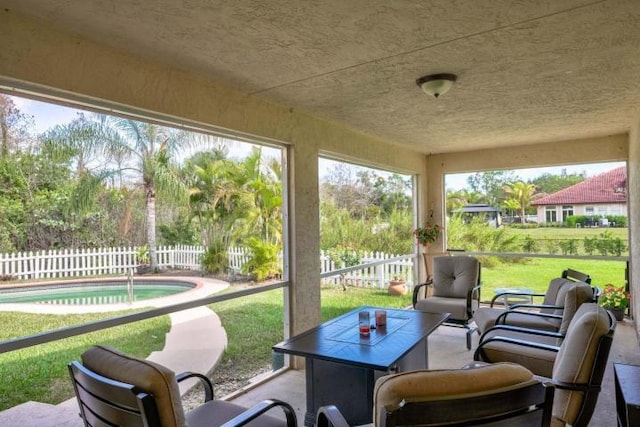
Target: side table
<point>627,383</point>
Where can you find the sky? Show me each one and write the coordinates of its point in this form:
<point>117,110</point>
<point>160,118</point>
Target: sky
<point>48,115</point>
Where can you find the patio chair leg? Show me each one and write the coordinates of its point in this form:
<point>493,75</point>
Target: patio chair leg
<point>470,331</point>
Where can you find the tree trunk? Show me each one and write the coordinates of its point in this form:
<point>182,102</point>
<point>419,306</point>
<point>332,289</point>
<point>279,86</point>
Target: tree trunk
<point>151,227</point>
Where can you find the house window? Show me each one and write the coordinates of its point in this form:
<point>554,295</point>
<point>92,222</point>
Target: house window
<point>588,211</point>
<point>566,211</point>
<point>550,214</point>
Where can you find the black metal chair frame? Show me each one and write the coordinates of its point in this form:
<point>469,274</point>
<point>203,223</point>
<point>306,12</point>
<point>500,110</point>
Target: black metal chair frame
<point>106,402</point>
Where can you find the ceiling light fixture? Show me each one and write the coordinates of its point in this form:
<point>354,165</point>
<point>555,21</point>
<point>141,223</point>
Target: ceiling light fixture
<point>436,84</point>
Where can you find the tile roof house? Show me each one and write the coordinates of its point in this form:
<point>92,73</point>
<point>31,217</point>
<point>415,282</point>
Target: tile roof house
<point>604,194</point>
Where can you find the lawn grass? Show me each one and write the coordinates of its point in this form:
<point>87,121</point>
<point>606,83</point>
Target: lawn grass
<point>40,373</point>
<point>536,273</point>
<point>567,233</point>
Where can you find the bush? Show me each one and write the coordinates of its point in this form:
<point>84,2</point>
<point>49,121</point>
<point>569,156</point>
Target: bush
<point>569,247</point>
<point>344,256</point>
<point>618,221</point>
<point>263,261</point>
<point>215,259</point>
<point>530,245</point>
<point>479,236</point>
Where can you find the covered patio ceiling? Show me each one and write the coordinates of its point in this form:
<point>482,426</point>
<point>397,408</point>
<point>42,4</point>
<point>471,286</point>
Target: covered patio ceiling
<point>528,72</point>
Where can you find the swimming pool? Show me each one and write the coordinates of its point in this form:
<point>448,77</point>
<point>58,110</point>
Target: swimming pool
<point>93,292</point>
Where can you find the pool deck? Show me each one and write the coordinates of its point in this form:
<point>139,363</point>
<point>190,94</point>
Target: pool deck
<point>195,342</point>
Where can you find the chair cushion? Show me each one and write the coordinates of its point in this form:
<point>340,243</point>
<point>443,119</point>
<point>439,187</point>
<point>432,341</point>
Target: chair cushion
<point>456,306</point>
<point>576,358</point>
<point>538,361</point>
<point>454,276</point>
<point>218,412</point>
<point>420,386</point>
<point>551,294</point>
<point>151,377</point>
<point>485,317</point>
<point>576,295</point>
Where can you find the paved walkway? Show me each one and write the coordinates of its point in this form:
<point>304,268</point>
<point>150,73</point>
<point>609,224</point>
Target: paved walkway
<point>195,343</point>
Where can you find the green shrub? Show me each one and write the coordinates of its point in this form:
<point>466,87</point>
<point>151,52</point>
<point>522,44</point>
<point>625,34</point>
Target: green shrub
<point>590,245</point>
<point>530,245</point>
<point>479,236</point>
<point>618,221</point>
<point>263,260</point>
<point>215,259</point>
<point>569,247</point>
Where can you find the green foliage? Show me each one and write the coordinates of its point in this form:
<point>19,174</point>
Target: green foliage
<point>530,245</point>
<point>479,236</point>
<point>181,232</point>
<point>344,256</point>
<point>618,221</point>
<point>569,247</point>
<point>263,260</point>
<point>142,255</point>
<point>392,234</point>
<point>551,246</point>
<point>590,245</point>
<point>215,259</point>
<point>609,245</point>
<point>549,183</point>
<point>614,297</point>
<point>491,184</point>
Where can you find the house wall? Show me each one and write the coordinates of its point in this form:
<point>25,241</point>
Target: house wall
<point>599,209</point>
<point>36,56</point>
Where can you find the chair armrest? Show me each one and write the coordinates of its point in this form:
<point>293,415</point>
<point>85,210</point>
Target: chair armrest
<point>479,355</point>
<point>540,306</point>
<point>259,409</point>
<point>515,293</point>
<point>206,383</point>
<point>522,330</point>
<point>416,291</point>
<point>330,416</point>
<point>473,294</point>
<point>502,319</point>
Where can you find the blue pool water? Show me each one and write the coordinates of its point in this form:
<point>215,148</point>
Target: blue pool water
<point>91,293</point>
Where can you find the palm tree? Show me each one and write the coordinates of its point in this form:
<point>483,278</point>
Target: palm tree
<point>523,194</point>
<point>140,153</point>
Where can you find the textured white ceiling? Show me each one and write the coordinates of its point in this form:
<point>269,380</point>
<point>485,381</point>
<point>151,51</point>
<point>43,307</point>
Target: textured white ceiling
<point>528,71</point>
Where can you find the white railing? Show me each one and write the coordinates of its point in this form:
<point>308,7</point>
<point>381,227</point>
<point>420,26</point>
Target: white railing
<point>114,261</point>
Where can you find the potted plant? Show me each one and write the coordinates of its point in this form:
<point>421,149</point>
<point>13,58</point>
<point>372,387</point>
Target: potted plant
<point>142,257</point>
<point>397,286</point>
<point>615,299</point>
<point>427,234</point>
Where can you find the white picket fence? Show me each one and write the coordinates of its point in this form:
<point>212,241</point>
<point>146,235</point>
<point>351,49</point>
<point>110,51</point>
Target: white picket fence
<point>377,275</point>
<point>114,261</point>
